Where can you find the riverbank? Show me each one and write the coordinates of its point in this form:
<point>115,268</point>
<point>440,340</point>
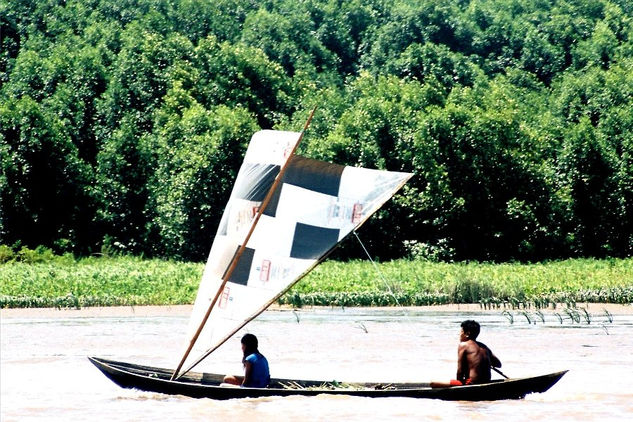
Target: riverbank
<point>185,310</point>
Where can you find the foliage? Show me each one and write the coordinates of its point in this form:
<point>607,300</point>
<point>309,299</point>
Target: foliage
<point>124,280</point>
<point>204,148</point>
<point>38,278</point>
<point>421,282</point>
<point>122,124</point>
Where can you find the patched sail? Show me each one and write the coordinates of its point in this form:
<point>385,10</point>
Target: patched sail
<point>314,206</point>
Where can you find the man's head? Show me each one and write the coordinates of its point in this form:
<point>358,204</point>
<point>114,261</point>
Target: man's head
<point>471,329</point>
<point>249,344</point>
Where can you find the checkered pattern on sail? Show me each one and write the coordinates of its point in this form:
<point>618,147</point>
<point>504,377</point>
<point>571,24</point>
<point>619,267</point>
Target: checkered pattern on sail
<point>314,207</point>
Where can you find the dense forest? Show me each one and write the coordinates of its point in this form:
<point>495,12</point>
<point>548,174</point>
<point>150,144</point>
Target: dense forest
<point>123,122</point>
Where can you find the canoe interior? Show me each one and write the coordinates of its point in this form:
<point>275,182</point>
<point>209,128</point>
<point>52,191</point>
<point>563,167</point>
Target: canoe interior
<point>208,379</point>
<point>196,384</point>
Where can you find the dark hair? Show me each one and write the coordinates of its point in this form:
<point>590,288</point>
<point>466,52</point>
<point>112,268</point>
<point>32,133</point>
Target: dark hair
<point>471,328</point>
<point>250,341</point>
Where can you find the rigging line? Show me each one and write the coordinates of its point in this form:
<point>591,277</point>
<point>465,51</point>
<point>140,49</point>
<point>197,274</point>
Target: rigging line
<point>407,314</point>
<point>378,270</point>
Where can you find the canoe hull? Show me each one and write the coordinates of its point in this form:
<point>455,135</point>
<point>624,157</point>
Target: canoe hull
<point>204,385</point>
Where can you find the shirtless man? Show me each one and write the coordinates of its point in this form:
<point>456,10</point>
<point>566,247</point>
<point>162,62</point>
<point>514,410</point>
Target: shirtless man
<point>474,359</point>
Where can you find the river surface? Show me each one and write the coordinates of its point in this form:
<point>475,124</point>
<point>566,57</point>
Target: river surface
<point>45,374</point>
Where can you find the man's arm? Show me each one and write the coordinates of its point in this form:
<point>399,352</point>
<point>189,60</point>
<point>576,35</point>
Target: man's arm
<point>248,370</point>
<point>494,361</point>
<point>462,366</point>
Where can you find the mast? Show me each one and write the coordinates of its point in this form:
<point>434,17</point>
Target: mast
<point>237,256</point>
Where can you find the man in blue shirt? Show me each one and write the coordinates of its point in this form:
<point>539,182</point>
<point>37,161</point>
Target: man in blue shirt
<point>256,372</point>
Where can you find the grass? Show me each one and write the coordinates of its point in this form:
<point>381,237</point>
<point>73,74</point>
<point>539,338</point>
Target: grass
<point>64,282</point>
<point>105,281</point>
<point>492,285</point>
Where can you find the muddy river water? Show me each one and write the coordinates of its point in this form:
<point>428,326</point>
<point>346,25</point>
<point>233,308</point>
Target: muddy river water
<point>45,374</point>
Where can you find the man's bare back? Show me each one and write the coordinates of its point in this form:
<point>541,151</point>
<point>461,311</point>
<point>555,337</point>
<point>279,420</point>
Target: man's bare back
<point>474,359</point>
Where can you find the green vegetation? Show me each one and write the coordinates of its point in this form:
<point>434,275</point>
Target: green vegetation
<point>40,279</point>
<point>64,282</point>
<point>420,282</point>
<point>123,123</point>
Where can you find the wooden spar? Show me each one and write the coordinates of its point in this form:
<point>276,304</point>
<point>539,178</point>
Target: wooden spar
<point>267,304</point>
<point>239,252</point>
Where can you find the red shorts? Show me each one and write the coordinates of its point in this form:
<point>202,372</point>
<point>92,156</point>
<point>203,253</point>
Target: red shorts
<point>458,382</point>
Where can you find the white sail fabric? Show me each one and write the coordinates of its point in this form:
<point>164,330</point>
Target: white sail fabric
<point>314,207</point>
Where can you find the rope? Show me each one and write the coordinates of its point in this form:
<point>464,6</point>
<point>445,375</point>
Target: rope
<point>378,270</point>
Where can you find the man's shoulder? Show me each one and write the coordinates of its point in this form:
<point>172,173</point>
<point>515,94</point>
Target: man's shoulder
<point>480,344</point>
<point>255,357</point>
<point>469,345</point>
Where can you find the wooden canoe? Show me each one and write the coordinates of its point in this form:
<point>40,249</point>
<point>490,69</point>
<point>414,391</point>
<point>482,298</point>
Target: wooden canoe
<point>205,385</point>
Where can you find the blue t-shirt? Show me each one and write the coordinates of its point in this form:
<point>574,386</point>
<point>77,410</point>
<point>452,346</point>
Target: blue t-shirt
<point>260,374</point>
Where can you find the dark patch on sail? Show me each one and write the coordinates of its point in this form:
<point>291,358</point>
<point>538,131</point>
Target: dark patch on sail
<point>307,173</point>
<point>311,242</point>
<point>243,268</point>
<point>314,175</point>
<point>258,178</point>
<point>271,208</point>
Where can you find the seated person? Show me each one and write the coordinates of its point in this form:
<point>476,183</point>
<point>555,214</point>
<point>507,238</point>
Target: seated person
<point>474,359</point>
<point>256,372</point>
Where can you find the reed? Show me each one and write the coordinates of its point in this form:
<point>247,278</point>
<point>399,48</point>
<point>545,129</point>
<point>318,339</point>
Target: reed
<point>573,314</point>
<point>527,316</point>
<point>586,315</point>
<point>560,317</point>
<point>579,315</point>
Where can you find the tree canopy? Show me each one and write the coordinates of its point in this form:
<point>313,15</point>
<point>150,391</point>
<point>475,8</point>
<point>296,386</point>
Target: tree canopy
<point>123,123</point>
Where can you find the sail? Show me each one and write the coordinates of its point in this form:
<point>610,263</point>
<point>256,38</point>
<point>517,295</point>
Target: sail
<point>315,205</point>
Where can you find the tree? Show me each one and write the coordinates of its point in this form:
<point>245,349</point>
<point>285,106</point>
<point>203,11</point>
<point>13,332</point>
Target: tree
<point>288,40</point>
<point>376,130</point>
<point>587,162</point>
<point>240,76</point>
<point>599,50</point>
<point>46,194</point>
<point>541,57</point>
<point>423,22</point>
<point>9,41</point>
<point>123,171</point>
<point>196,155</point>
<point>140,76</point>
<point>422,61</point>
